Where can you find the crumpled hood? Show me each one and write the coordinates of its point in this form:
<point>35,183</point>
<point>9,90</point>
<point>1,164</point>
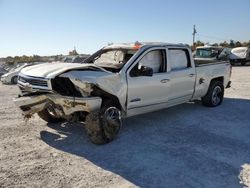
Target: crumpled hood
<point>51,70</point>
<point>87,76</point>
<point>110,82</point>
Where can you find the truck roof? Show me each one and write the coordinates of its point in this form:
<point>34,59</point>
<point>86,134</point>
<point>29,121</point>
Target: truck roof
<point>138,45</point>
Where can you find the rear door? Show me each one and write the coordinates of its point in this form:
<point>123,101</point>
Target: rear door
<point>182,75</point>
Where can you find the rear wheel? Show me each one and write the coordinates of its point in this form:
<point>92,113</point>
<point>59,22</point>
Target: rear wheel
<point>104,126</point>
<point>215,94</point>
<point>48,116</point>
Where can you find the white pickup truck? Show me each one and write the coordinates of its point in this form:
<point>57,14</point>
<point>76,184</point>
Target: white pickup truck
<point>118,81</point>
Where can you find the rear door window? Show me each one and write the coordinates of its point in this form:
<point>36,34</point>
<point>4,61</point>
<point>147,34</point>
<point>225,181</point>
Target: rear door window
<point>178,59</point>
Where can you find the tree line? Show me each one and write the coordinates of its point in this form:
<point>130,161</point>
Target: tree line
<point>36,58</point>
<point>30,59</point>
<point>230,44</point>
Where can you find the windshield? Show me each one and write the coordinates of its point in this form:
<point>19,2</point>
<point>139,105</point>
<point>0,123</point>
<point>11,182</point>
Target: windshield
<point>207,53</point>
<point>112,59</point>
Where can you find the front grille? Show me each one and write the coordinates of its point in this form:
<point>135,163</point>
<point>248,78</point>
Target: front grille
<point>34,81</point>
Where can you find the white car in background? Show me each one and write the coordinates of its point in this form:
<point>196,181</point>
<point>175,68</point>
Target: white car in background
<point>11,76</point>
<point>240,55</point>
<point>2,71</point>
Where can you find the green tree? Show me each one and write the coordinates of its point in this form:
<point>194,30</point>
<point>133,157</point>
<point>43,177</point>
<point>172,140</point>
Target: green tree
<point>199,43</point>
<point>9,60</point>
<point>232,44</point>
<point>36,58</point>
<point>224,44</point>
<point>238,44</point>
<point>215,44</point>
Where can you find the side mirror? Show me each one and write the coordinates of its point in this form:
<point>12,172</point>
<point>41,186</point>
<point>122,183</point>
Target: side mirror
<point>146,71</point>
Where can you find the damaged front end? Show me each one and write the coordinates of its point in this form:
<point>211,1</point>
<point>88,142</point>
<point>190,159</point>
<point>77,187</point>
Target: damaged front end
<point>67,95</point>
<point>59,96</point>
<point>60,106</point>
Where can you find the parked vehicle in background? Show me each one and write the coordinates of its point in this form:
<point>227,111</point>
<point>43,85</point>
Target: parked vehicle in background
<point>2,71</point>
<point>240,55</point>
<point>207,54</point>
<point>225,54</point>
<point>119,81</point>
<point>11,76</point>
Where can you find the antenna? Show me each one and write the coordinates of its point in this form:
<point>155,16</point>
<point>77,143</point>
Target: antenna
<point>194,33</point>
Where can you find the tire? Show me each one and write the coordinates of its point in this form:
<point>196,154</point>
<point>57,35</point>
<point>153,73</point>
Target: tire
<point>215,94</point>
<point>14,80</point>
<point>102,127</point>
<point>46,116</point>
<point>243,63</point>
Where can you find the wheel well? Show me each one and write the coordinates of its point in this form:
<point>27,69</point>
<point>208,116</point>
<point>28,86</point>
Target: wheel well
<point>221,79</point>
<point>64,87</point>
<point>14,77</point>
<point>106,97</point>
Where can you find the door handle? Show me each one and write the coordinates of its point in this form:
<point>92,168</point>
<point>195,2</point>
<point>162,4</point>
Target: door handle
<point>165,80</point>
<point>191,75</point>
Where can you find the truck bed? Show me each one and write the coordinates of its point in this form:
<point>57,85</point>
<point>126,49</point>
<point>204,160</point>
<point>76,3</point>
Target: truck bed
<point>207,71</point>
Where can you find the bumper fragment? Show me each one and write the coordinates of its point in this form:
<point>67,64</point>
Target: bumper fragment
<point>63,105</point>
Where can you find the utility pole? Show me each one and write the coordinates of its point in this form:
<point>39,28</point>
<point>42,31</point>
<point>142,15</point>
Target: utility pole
<point>194,33</point>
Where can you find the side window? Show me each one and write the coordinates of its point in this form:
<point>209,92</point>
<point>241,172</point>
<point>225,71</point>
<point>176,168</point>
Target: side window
<point>178,59</point>
<point>155,59</point>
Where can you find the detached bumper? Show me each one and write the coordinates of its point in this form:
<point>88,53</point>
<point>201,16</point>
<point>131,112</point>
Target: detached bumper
<point>62,105</point>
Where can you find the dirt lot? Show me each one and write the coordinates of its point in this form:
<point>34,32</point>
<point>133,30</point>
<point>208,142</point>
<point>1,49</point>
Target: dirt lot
<point>184,146</point>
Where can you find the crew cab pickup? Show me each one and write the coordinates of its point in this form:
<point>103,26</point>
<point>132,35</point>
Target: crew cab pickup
<point>118,81</point>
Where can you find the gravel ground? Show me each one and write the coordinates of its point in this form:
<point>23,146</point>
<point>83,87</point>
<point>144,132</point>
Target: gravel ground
<point>185,146</point>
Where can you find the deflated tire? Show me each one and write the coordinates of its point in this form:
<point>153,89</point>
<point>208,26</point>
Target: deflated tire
<point>102,127</point>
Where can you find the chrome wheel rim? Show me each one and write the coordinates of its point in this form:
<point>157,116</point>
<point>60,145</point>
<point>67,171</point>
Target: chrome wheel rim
<point>216,95</point>
<point>112,113</point>
<point>112,122</point>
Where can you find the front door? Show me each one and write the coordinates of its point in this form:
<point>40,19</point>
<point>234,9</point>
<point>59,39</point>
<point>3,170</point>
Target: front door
<point>148,93</point>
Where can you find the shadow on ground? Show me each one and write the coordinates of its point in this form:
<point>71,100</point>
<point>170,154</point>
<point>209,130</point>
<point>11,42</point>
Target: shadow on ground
<point>184,146</point>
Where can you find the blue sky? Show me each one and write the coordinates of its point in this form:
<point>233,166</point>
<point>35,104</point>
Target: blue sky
<point>48,27</point>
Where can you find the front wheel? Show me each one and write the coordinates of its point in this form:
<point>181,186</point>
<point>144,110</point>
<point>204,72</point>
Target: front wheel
<point>215,94</point>
<point>104,126</point>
